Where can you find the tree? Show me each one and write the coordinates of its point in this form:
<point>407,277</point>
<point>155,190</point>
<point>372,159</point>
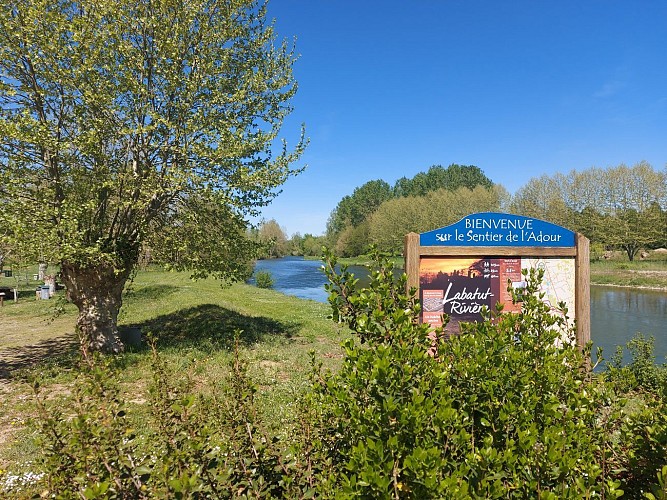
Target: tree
<point>353,240</point>
<point>273,237</point>
<point>399,216</point>
<point>620,207</point>
<point>353,209</point>
<point>437,177</point>
<point>633,197</point>
<point>138,121</point>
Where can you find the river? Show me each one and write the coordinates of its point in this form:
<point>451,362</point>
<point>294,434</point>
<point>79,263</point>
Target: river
<point>617,314</point>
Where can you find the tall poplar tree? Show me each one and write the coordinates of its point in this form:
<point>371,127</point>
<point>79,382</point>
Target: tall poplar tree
<point>138,121</point>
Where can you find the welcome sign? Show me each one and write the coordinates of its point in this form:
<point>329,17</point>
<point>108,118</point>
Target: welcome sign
<point>460,269</point>
<point>495,229</point>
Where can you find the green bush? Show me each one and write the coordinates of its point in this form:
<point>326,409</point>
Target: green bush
<point>643,429</point>
<point>506,409</point>
<point>642,373</point>
<point>190,446</point>
<point>263,279</point>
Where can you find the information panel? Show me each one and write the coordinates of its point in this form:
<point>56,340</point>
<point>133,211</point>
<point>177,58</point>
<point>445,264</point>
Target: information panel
<point>461,268</point>
<point>460,287</point>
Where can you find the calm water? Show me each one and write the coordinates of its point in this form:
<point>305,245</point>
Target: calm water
<point>616,313</point>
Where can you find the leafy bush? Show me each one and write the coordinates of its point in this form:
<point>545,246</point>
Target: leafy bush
<point>643,430</point>
<point>506,409</point>
<point>263,279</point>
<point>90,451</point>
<point>190,446</point>
<point>642,373</point>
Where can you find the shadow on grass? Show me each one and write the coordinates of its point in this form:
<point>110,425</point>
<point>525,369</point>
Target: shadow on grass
<point>206,326</point>
<point>62,351</point>
<point>214,325</point>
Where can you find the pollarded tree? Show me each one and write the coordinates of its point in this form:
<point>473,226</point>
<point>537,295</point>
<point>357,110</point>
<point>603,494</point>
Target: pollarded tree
<point>138,120</point>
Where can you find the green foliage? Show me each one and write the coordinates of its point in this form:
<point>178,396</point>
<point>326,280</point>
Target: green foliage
<point>395,218</point>
<point>272,239</point>
<point>643,445</point>
<point>659,491</point>
<point>90,449</point>
<point>642,373</point>
<point>437,177</point>
<point>353,240</point>
<point>196,445</point>
<point>353,220</point>
<point>619,207</point>
<point>263,279</point>
<point>139,122</point>
<point>306,245</point>
<point>643,430</point>
<point>506,409</point>
<point>353,209</point>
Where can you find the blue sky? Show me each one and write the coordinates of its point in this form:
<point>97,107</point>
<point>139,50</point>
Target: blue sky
<point>518,88</point>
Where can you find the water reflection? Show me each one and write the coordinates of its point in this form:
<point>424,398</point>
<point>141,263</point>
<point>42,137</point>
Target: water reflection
<point>296,276</point>
<point>617,314</point>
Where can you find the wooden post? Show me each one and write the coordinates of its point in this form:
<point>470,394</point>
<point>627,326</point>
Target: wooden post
<point>411,258</point>
<point>582,280</point>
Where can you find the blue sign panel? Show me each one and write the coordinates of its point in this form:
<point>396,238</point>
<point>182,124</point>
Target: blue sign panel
<point>490,229</point>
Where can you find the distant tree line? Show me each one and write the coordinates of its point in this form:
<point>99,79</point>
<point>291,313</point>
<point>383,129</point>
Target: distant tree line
<point>617,208</point>
<point>275,243</point>
<point>377,213</point>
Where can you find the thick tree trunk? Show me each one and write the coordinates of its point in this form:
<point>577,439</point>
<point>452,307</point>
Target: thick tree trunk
<point>97,292</point>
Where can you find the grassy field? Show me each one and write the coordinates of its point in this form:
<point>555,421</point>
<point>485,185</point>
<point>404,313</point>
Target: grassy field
<point>650,273</point>
<point>193,324</point>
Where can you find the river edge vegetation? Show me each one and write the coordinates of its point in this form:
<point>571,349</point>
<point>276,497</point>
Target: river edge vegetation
<point>220,412</point>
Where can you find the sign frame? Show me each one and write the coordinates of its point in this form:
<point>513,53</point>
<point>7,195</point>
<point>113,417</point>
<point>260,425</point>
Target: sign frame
<point>577,247</point>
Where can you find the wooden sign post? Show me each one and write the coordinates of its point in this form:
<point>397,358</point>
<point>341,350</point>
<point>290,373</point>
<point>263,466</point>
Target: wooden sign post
<point>458,269</point>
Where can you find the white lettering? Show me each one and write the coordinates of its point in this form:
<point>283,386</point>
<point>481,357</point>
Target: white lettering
<point>498,224</point>
<point>465,295</point>
<point>540,237</point>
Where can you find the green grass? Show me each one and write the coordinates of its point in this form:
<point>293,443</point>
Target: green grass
<point>192,324</point>
<point>651,273</point>
<point>366,261</point>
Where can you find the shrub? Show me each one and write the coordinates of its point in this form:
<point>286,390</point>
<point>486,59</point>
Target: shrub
<point>503,410</point>
<point>506,409</point>
<point>189,446</point>
<point>643,430</point>
<point>263,279</point>
<point>642,373</point>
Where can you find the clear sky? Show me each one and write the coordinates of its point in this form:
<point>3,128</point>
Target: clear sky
<point>388,88</point>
